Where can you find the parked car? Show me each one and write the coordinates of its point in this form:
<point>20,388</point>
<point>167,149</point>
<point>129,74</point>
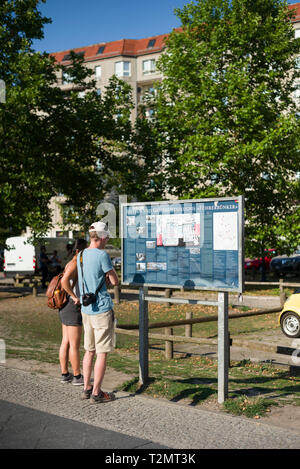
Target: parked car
<point>256,264</point>
<point>289,318</point>
<point>282,265</point>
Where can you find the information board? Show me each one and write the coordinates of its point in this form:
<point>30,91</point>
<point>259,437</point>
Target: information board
<point>188,243</point>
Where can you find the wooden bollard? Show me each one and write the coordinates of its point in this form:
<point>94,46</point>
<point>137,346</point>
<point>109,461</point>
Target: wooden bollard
<point>169,344</point>
<point>188,327</point>
<point>168,293</point>
<point>117,294</point>
<point>282,293</point>
<point>34,288</point>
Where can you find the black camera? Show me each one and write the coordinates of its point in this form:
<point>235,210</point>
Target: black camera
<point>88,299</point>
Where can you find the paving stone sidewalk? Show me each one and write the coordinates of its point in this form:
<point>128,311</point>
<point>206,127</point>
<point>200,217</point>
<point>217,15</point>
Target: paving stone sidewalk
<point>152,423</point>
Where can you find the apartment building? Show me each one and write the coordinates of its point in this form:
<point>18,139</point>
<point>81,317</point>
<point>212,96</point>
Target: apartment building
<point>132,60</point>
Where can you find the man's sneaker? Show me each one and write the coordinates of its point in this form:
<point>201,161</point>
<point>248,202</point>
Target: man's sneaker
<point>77,381</point>
<point>66,378</point>
<point>86,393</point>
<point>103,397</point>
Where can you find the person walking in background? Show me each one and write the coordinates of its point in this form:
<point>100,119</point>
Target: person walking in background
<point>55,264</point>
<point>44,261</point>
<point>71,319</point>
<point>98,317</point>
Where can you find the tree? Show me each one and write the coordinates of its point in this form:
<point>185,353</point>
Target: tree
<point>53,141</point>
<point>227,118</point>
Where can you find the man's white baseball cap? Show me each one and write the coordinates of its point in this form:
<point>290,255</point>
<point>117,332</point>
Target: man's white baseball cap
<point>100,228</point>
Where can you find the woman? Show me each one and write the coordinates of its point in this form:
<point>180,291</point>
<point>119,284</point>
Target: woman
<point>70,316</point>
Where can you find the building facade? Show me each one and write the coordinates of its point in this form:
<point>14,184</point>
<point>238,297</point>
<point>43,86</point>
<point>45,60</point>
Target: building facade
<point>132,60</point>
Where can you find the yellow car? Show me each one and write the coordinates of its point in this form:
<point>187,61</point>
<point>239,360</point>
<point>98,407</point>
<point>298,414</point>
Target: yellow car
<point>289,318</point>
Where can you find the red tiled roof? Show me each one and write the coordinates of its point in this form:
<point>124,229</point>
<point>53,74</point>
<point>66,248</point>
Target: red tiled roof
<point>127,47</point>
<point>134,47</point>
<point>295,6</point>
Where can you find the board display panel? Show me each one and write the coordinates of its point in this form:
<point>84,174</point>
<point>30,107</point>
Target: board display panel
<point>188,243</point>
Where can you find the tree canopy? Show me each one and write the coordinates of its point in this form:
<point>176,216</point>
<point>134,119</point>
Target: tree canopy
<point>226,113</point>
<point>54,141</point>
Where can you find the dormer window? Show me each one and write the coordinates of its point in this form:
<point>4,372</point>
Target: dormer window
<point>100,50</point>
<point>68,56</point>
<point>151,43</point>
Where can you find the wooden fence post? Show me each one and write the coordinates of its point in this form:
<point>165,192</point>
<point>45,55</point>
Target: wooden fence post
<point>169,344</point>
<point>168,293</point>
<point>34,288</point>
<point>117,294</point>
<point>282,293</point>
<point>143,337</point>
<point>188,327</point>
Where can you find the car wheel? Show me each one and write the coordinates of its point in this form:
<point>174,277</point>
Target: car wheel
<point>290,324</point>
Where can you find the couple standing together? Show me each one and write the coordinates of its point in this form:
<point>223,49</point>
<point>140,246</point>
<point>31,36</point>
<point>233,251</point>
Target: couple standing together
<point>86,273</point>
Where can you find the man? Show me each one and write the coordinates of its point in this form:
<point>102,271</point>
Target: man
<point>97,317</point>
<point>44,261</point>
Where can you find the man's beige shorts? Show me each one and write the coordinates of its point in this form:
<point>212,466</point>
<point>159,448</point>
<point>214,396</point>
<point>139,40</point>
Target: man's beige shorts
<point>98,332</point>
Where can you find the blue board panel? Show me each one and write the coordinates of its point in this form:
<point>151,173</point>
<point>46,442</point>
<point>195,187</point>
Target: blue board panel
<point>198,244</point>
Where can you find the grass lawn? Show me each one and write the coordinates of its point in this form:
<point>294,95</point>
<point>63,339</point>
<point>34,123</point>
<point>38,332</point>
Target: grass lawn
<point>32,331</point>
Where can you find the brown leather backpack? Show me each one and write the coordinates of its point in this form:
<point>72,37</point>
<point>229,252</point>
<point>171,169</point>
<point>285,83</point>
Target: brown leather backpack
<point>57,296</point>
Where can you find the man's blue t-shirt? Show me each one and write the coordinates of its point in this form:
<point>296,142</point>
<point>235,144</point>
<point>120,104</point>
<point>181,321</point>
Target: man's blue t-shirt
<point>96,263</point>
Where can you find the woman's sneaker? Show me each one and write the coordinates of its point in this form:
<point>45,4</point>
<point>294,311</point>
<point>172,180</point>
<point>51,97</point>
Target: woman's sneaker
<point>67,378</point>
<point>77,381</point>
<point>103,397</point>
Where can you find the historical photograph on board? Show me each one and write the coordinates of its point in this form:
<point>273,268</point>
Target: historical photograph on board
<point>130,221</point>
<point>150,244</point>
<point>140,267</point>
<point>156,266</point>
<point>140,256</point>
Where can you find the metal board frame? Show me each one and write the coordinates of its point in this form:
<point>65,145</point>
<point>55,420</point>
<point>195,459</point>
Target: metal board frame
<point>240,212</point>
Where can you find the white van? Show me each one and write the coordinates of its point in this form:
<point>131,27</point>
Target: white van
<point>22,257</point>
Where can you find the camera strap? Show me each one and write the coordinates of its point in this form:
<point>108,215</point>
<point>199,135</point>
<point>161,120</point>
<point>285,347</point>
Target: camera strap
<point>101,283</point>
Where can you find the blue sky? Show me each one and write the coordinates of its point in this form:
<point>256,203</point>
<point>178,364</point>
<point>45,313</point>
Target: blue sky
<point>77,23</point>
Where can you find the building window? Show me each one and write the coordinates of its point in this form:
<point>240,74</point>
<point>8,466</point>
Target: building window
<point>79,234</point>
<point>98,72</point>
<point>66,78</point>
<point>98,91</point>
<point>149,66</point>
<point>123,69</point>
<point>297,63</point>
<point>149,114</point>
<point>297,33</point>
<point>297,92</point>
<point>151,43</point>
<point>62,234</point>
<point>68,56</point>
<point>101,50</point>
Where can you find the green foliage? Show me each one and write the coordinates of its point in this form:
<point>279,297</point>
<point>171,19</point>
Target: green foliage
<point>226,116</point>
<point>55,140</point>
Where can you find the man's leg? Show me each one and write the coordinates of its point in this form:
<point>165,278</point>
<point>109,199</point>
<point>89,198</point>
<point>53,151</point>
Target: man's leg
<point>99,371</point>
<point>87,368</point>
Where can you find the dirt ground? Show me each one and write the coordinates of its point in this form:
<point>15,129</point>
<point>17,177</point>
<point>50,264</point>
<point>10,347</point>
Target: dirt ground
<point>287,416</point>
